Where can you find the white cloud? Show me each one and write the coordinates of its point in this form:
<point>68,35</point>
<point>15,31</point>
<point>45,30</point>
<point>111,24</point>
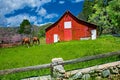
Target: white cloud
<point>76,1</point>
<point>16,20</point>
<point>42,12</point>
<point>46,23</point>
<point>61,2</point>
<point>38,21</point>
<point>3,20</point>
<point>52,15</point>
<point>7,6</point>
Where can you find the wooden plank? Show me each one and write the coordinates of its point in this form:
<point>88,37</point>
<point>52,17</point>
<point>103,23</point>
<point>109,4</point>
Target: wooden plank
<point>30,68</point>
<point>88,58</point>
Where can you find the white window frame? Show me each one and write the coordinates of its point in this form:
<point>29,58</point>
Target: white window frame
<point>67,24</point>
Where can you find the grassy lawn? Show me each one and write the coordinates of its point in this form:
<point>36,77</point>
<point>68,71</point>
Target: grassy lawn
<point>22,56</point>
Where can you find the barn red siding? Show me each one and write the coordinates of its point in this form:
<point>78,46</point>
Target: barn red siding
<point>79,29</point>
<point>50,34</point>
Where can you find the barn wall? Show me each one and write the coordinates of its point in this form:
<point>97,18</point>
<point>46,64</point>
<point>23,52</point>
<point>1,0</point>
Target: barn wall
<point>61,27</point>
<point>79,29</point>
<point>50,33</point>
<point>61,30</point>
<point>65,19</point>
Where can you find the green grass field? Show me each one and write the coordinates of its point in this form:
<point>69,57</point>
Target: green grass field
<point>21,56</point>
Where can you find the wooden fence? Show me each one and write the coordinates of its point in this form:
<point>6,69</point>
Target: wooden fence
<point>38,67</point>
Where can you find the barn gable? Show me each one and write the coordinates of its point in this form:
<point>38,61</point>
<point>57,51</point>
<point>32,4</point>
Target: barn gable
<point>67,28</point>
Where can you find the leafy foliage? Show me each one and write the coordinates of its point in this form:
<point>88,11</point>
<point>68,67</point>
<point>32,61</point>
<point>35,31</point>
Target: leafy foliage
<point>81,16</point>
<point>114,14</point>
<point>104,13</point>
<point>42,29</point>
<point>35,30</point>
<point>87,10</point>
<point>100,18</point>
<point>25,27</point>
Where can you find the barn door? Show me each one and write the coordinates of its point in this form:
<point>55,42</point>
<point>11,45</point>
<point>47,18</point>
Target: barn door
<point>67,31</point>
<point>93,34</point>
<point>56,39</point>
<point>67,34</point>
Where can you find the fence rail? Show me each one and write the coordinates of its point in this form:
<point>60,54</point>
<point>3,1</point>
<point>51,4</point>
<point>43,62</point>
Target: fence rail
<point>38,67</point>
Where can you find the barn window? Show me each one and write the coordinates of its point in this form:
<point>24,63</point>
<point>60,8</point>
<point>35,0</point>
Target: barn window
<point>67,24</point>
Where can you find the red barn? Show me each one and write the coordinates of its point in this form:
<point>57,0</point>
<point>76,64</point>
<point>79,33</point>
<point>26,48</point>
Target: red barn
<point>68,27</point>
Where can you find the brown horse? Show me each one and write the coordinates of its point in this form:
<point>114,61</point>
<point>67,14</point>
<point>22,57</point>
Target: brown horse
<point>26,41</point>
<point>36,40</point>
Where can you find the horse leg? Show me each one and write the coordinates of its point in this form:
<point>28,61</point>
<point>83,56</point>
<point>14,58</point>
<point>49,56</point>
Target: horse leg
<point>23,42</point>
<point>38,41</point>
<point>33,41</point>
<point>29,43</point>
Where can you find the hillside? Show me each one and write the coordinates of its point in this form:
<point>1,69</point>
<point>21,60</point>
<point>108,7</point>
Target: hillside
<point>8,34</point>
<point>22,56</point>
<point>8,30</point>
<point>42,29</point>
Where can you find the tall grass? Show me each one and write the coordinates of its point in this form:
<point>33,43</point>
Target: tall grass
<point>22,56</point>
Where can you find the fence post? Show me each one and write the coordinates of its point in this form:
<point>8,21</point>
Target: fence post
<point>57,69</point>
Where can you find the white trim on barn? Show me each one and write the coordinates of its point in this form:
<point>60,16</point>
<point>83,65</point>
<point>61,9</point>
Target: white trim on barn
<point>93,34</point>
<point>67,24</point>
<point>85,38</point>
<point>56,38</point>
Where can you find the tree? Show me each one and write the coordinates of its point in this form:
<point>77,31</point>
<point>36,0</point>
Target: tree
<point>113,10</point>
<point>42,29</point>
<point>100,17</point>
<point>87,10</point>
<point>25,27</point>
<point>35,30</point>
<point>103,13</point>
<point>81,16</point>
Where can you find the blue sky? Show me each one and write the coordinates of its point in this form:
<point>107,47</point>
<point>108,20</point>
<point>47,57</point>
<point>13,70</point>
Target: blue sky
<point>38,12</point>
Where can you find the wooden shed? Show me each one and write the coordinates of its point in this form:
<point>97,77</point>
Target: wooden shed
<point>68,27</point>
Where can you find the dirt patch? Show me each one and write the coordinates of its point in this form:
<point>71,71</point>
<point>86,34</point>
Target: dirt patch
<point>5,45</point>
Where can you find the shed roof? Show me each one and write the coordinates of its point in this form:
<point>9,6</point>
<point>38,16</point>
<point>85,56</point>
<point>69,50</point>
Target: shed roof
<point>69,13</point>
